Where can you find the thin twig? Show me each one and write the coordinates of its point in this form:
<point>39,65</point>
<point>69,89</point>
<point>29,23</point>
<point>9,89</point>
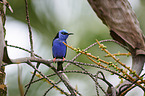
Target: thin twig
<point>107,82</point>
<point>51,88</point>
<point>126,48</point>
<point>29,27</point>
<point>68,71</point>
<point>96,83</point>
<point>36,65</point>
<point>119,54</point>
<point>129,87</point>
<point>31,79</point>
<point>94,45</point>
<point>28,62</point>
<point>117,60</point>
<point>41,79</point>
<point>23,50</point>
<point>69,87</point>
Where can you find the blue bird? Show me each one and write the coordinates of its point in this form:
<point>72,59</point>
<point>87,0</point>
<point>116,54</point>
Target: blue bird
<point>58,48</point>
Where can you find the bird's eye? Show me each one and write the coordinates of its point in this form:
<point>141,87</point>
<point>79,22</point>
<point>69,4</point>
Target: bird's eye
<point>63,33</point>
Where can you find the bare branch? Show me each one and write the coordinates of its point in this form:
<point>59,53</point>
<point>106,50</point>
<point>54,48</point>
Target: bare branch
<point>47,79</point>
<point>94,45</point>
<point>31,79</point>
<point>111,90</point>
<point>29,27</point>
<point>51,88</point>
<point>23,49</point>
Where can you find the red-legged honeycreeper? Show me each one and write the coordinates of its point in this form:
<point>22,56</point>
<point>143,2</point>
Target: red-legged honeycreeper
<point>58,48</point>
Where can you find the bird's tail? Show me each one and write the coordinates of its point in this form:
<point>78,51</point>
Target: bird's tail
<point>59,66</point>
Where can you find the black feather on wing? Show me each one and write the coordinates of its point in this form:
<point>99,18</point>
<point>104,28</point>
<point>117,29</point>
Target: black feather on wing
<point>57,36</point>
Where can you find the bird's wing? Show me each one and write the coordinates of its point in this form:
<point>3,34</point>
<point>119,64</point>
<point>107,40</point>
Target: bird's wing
<point>57,36</point>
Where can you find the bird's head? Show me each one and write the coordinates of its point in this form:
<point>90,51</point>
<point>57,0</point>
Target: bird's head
<point>63,34</point>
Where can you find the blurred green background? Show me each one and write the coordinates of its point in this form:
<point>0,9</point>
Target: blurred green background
<point>47,18</point>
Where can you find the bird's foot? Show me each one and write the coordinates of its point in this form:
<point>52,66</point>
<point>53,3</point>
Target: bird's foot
<point>63,58</point>
<point>54,59</point>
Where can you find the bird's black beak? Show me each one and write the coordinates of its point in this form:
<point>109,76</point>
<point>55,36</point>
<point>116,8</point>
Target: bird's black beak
<point>70,33</point>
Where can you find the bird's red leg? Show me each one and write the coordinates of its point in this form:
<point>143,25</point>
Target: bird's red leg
<point>63,58</point>
<point>54,59</point>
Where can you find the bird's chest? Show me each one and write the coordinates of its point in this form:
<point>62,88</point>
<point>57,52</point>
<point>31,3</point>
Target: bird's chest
<point>59,49</point>
<point>59,44</point>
